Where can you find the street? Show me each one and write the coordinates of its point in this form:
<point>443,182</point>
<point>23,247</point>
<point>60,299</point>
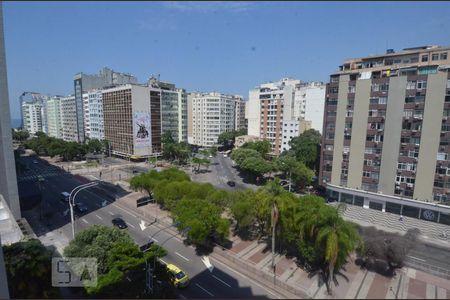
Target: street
<point>222,282</point>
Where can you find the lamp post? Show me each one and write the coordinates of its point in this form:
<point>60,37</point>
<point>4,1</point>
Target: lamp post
<point>77,189</point>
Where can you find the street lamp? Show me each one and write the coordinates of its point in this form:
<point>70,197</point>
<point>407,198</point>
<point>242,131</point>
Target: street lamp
<point>72,201</point>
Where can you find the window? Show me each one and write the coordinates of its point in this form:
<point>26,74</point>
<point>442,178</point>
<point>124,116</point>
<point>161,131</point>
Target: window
<point>424,58</point>
<point>373,113</point>
<point>349,113</point>
<point>435,56</point>
<point>382,100</point>
<point>351,88</point>
<point>408,113</point>
<point>422,84</point>
<point>443,56</point>
<point>375,87</point>
<point>448,83</point>
<point>442,156</point>
<point>384,87</point>
<point>410,85</point>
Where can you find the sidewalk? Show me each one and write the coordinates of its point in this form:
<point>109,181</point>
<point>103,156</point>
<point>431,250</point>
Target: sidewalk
<point>254,260</point>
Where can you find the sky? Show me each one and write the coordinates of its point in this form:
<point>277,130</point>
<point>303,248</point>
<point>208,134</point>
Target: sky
<point>228,47</point>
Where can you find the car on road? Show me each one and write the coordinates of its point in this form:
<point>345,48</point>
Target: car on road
<point>284,182</point>
<point>210,156</point>
<point>179,278</point>
<point>80,207</point>
<point>231,183</point>
<point>147,246</point>
<point>64,196</point>
<point>35,161</point>
<point>40,178</point>
<point>119,223</point>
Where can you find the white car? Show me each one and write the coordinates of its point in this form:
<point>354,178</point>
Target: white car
<point>225,155</point>
<point>210,156</point>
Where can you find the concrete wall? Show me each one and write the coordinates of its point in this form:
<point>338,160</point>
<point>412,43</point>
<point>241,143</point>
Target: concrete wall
<point>359,132</point>
<point>430,136</point>
<point>392,134</point>
<point>315,104</point>
<point>8,181</point>
<point>339,129</point>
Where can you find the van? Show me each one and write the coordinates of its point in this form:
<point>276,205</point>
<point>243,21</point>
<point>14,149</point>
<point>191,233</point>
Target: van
<point>65,196</point>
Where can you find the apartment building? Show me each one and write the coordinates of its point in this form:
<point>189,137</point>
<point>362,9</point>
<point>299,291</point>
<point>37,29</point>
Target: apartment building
<point>32,116</point>
<point>310,102</point>
<point>94,115</point>
<point>209,115</point>
<point>239,122</point>
<point>84,83</point>
<point>54,117</point>
<point>386,133</point>
<point>173,109</point>
<point>277,111</point>
<point>132,120</point>
<point>69,118</point>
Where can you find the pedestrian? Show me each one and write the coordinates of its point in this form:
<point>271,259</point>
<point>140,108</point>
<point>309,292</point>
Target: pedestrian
<point>401,218</point>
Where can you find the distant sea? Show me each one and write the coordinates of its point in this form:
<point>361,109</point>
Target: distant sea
<point>15,123</point>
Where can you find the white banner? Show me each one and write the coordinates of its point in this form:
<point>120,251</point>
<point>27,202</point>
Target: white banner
<point>141,129</point>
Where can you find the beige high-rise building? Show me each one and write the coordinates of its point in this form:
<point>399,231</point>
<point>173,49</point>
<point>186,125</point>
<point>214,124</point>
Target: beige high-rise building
<point>69,119</point>
<point>132,120</point>
<point>386,133</point>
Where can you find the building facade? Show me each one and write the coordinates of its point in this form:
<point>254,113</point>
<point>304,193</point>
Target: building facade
<point>8,180</point>
<point>386,133</point>
<point>132,120</point>
<point>277,111</point>
<point>239,121</point>
<point>209,115</point>
<point>84,82</point>
<point>94,110</point>
<point>173,109</point>
<point>69,119</point>
<point>32,116</point>
<point>54,117</point>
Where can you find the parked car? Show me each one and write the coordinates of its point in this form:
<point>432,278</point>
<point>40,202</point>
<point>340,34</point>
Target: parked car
<point>119,223</point>
<point>64,196</point>
<point>80,207</point>
<point>231,183</point>
<point>179,278</point>
<point>146,247</point>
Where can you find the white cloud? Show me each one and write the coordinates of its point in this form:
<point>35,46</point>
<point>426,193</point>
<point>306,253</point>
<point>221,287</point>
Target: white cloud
<point>208,7</point>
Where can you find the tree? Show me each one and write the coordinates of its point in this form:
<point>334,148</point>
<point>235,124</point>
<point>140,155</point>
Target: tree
<point>239,155</point>
<point>118,257</point>
<point>166,138</point>
<point>94,145</point>
<point>228,138</point>
<point>28,267</point>
<point>306,148</point>
<point>263,147</point>
<point>302,175</point>
<point>20,135</point>
<point>202,220</point>
<point>257,166</point>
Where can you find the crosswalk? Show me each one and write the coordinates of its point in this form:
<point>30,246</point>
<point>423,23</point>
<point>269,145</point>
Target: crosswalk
<point>34,177</point>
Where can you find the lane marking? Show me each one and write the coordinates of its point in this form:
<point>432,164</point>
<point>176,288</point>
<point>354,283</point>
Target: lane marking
<point>182,296</point>
<point>204,290</point>
<point>415,257</point>
<point>221,281</point>
<point>154,239</point>
<point>186,259</point>
<point>163,261</point>
<point>249,279</point>
<point>82,219</point>
<point>98,217</point>
<point>125,211</point>
<point>130,225</point>
<point>110,213</point>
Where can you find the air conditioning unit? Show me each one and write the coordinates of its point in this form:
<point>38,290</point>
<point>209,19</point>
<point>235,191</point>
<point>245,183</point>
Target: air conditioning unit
<point>409,185</point>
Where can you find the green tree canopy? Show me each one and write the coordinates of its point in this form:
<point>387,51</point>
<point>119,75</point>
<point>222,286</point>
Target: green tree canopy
<point>306,148</point>
<point>256,166</point>
<point>20,135</point>
<point>240,154</point>
<point>262,147</point>
<point>228,137</point>
<point>28,267</point>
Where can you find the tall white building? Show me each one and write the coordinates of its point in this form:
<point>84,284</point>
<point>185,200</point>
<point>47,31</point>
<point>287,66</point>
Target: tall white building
<point>239,121</point>
<point>32,114</point>
<point>279,111</point>
<point>69,118</point>
<point>86,123</point>
<point>310,103</point>
<point>94,117</point>
<point>54,117</point>
<point>209,115</point>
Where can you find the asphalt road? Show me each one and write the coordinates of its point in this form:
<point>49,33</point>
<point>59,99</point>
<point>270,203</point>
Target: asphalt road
<point>222,282</point>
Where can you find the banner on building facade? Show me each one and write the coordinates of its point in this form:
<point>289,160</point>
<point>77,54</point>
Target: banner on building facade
<point>141,129</point>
